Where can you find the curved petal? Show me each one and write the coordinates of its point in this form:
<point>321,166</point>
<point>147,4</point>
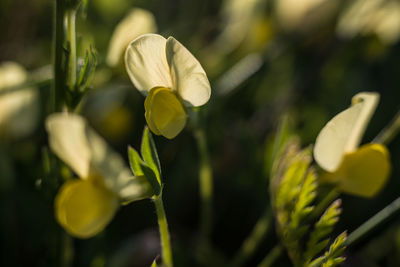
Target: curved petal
<point>137,22</point>
<point>189,78</point>
<point>146,63</point>
<point>363,172</point>
<point>67,138</point>
<point>343,133</point>
<point>84,208</point>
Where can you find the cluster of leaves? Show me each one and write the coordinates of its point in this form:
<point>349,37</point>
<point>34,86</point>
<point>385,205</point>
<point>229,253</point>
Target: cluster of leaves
<point>294,191</point>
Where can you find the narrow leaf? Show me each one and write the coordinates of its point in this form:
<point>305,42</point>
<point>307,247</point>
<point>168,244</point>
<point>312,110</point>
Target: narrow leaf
<point>149,153</point>
<point>135,161</point>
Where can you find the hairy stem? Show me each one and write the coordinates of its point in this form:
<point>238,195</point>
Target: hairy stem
<point>166,253</point>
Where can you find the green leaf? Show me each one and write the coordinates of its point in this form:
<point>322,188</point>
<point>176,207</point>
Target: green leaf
<point>135,161</point>
<point>87,69</point>
<point>154,264</point>
<point>151,177</point>
<point>149,153</point>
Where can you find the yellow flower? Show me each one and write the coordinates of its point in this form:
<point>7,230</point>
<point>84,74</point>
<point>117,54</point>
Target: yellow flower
<point>378,17</point>
<point>171,78</point>
<point>363,170</point>
<point>84,206</point>
<point>137,22</point>
<point>19,109</point>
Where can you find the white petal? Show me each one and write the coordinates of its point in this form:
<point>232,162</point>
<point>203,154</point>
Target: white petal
<point>343,133</point>
<point>137,22</point>
<point>146,63</point>
<point>189,78</point>
<point>68,141</point>
<point>107,163</point>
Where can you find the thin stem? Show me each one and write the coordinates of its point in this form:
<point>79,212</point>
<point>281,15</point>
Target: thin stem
<point>71,29</point>
<point>389,132</point>
<point>373,222</point>
<point>272,256</point>
<point>58,88</point>
<point>166,253</point>
<point>205,183</point>
<point>253,240</point>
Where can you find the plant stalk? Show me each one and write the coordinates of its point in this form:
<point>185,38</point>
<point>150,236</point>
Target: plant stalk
<point>271,257</point>
<point>205,184</point>
<point>373,222</point>
<point>389,132</point>
<point>166,251</point>
<point>71,29</point>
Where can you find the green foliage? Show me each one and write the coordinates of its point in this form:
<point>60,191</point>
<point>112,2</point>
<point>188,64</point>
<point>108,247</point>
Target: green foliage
<point>149,166</point>
<point>294,187</point>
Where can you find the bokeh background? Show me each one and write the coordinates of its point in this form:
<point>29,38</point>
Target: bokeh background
<point>264,59</point>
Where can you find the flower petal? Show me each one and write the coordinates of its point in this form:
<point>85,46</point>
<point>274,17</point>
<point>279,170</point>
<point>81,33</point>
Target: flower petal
<point>84,208</point>
<point>137,22</point>
<point>166,112</point>
<point>189,78</point>
<point>363,172</point>
<point>67,138</point>
<point>146,63</point>
<point>343,133</point>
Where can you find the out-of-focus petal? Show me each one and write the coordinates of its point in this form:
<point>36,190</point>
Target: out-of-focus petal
<point>67,138</point>
<point>363,172</point>
<point>137,22</point>
<point>166,113</point>
<point>189,78</point>
<point>146,63</point>
<point>19,109</point>
<point>84,208</point>
<point>343,133</point>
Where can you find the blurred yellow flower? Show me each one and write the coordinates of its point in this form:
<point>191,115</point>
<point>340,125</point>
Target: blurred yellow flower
<point>19,109</point>
<point>171,78</point>
<point>304,15</point>
<point>380,17</point>
<point>363,170</point>
<point>137,22</point>
<point>84,206</point>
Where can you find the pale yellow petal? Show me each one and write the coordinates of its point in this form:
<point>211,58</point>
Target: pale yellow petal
<point>363,172</point>
<point>83,208</point>
<point>189,78</point>
<point>67,139</point>
<point>166,113</point>
<point>146,63</point>
<point>343,133</point>
<point>137,22</point>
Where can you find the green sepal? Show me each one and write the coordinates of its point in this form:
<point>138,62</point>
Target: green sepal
<point>154,264</point>
<point>86,70</point>
<point>141,168</point>
<point>149,153</point>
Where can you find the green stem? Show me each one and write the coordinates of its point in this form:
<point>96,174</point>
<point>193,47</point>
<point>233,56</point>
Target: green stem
<point>58,88</point>
<point>166,253</point>
<point>71,29</point>
<point>253,240</point>
<point>373,222</point>
<point>272,256</point>
<point>389,132</point>
<point>205,183</point>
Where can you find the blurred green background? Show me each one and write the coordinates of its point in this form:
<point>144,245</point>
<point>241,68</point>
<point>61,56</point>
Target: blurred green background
<point>264,59</point>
